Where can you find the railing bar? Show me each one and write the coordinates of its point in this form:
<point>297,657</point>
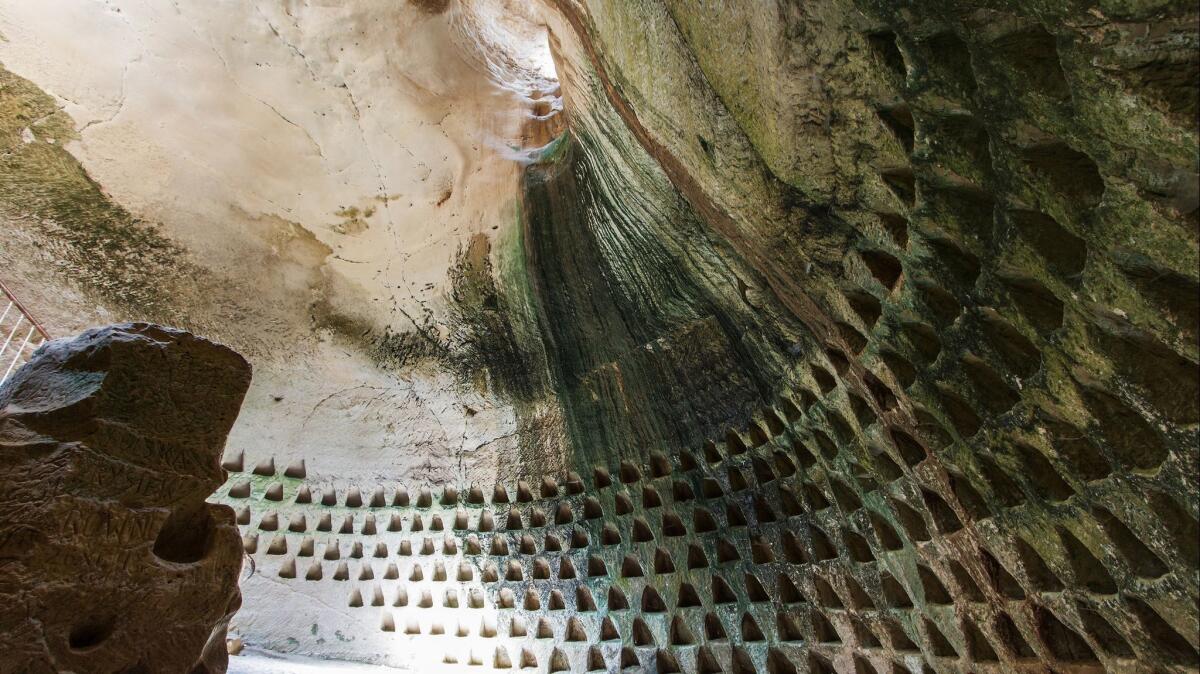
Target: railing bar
<point>23,310</point>
<point>28,336</point>
<point>15,327</point>
<point>7,309</point>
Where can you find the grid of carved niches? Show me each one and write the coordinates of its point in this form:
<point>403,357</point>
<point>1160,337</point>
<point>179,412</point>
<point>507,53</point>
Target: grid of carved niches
<point>1002,386</point>
<point>985,468</point>
<point>755,558</point>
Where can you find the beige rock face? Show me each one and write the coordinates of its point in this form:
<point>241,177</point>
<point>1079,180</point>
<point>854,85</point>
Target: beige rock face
<point>845,335</point>
<point>316,168</point>
<point>319,166</point>
<point>112,560</point>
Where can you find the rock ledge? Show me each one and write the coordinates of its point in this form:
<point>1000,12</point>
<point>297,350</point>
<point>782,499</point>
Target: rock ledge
<point>110,559</point>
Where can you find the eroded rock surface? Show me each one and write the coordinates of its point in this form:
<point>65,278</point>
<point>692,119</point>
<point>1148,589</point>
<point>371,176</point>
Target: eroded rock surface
<point>110,559</point>
<point>876,353</point>
<point>845,335</point>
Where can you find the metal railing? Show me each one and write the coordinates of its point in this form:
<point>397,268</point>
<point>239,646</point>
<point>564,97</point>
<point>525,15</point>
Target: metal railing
<point>20,333</point>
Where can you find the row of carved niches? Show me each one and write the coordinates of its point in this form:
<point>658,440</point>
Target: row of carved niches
<point>1010,376</point>
<point>753,551</point>
<point>983,272</point>
<point>988,464</point>
<point>993,279</point>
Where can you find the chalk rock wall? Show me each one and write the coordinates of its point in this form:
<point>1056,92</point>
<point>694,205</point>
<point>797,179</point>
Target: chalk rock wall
<point>868,332</point>
<point>296,181</point>
<point>874,333</point>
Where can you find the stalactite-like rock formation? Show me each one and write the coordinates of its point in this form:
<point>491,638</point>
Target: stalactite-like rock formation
<point>110,559</point>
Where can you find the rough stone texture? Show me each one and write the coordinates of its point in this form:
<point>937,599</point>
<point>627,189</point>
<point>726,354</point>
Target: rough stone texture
<point>299,192</point>
<point>938,328</point>
<point>973,320</point>
<point>855,335</point>
<point>110,558</point>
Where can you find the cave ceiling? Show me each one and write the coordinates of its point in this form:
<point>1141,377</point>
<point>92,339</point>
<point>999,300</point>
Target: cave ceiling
<point>846,335</point>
